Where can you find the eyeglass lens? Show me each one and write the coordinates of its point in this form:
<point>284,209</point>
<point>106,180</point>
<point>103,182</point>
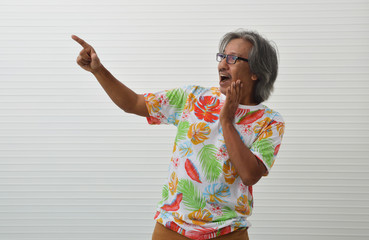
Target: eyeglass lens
<point>230,58</point>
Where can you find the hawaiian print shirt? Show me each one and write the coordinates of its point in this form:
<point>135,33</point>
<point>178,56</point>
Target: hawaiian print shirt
<point>203,196</point>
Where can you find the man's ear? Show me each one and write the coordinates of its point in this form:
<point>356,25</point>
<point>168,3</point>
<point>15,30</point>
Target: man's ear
<point>254,77</point>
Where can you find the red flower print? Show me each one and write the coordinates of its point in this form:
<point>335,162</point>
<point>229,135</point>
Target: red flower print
<point>243,188</point>
<point>207,108</point>
<point>153,120</point>
<point>175,162</point>
<point>222,153</point>
<point>215,208</point>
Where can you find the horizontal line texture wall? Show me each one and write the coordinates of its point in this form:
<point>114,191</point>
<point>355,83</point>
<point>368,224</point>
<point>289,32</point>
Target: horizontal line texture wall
<point>74,166</point>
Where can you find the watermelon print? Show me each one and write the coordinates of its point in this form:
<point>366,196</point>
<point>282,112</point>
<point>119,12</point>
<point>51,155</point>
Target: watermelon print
<point>251,117</point>
<point>154,120</point>
<point>207,109</point>
<point>241,112</point>
<point>192,171</point>
<point>173,206</point>
<point>276,150</point>
<point>203,196</point>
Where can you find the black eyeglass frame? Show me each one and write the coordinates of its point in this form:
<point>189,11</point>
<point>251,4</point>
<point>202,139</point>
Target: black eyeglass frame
<point>233,57</point>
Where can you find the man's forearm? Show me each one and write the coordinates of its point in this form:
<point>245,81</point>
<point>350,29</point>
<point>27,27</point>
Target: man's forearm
<point>120,94</point>
<point>248,167</point>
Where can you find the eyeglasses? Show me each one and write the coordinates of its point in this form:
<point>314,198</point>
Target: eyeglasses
<point>231,59</point>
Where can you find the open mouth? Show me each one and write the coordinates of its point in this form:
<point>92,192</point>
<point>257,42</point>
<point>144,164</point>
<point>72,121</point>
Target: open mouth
<point>225,77</point>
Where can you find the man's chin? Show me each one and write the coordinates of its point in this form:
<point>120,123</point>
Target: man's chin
<point>223,86</point>
<point>223,90</point>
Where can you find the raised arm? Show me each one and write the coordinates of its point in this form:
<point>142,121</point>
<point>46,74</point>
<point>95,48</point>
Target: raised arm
<point>248,167</point>
<point>120,94</point>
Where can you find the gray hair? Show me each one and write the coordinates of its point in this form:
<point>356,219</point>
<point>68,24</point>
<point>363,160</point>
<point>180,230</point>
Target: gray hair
<point>263,60</point>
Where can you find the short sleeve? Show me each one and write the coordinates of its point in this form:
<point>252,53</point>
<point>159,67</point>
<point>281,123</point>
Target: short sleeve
<point>268,142</point>
<point>166,107</point>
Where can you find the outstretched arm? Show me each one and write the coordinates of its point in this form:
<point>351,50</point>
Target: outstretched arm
<point>120,94</point>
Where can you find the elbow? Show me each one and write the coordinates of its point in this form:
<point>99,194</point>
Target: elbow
<point>250,182</point>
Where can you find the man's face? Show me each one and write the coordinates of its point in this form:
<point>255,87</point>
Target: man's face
<point>229,73</point>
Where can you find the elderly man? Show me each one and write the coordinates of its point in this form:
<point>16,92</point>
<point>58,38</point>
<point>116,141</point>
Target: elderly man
<point>226,138</point>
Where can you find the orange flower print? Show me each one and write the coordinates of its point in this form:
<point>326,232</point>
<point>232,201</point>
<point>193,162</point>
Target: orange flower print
<point>229,172</point>
<point>261,126</point>
<point>207,108</point>
<point>280,128</point>
<point>200,217</point>
<point>198,132</point>
<point>178,218</point>
<point>268,132</point>
<point>242,205</point>
<point>153,104</point>
<point>191,99</point>
<point>173,182</point>
<point>215,91</point>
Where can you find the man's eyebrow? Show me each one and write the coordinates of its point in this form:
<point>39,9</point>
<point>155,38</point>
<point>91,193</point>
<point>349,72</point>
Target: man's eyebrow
<point>232,53</point>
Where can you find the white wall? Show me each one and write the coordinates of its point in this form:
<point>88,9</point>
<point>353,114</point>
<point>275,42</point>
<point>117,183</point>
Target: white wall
<point>74,166</point>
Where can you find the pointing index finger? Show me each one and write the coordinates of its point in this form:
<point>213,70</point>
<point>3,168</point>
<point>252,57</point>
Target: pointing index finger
<point>80,41</point>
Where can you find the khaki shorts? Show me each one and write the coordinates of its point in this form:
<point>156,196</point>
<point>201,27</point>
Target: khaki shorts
<point>163,233</point>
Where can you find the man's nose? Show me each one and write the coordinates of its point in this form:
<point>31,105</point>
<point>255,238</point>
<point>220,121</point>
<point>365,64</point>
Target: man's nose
<point>223,64</point>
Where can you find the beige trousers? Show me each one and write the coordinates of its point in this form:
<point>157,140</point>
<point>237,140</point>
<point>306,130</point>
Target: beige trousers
<point>163,233</point>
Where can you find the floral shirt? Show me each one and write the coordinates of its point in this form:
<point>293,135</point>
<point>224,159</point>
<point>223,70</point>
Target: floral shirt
<point>203,196</point>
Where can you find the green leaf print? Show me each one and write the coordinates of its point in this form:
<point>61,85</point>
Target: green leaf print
<point>165,193</point>
<point>228,213</point>
<point>177,98</point>
<point>192,197</point>
<point>209,163</point>
<point>266,149</point>
<point>182,131</point>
